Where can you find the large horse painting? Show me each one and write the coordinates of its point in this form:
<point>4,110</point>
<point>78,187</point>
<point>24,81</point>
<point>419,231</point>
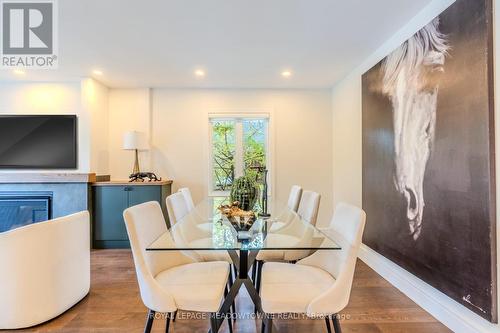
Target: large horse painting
<point>428,156</point>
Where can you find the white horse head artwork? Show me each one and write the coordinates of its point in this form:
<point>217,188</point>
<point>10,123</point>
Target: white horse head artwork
<point>411,80</point>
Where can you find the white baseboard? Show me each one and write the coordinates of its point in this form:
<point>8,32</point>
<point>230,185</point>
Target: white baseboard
<point>452,314</point>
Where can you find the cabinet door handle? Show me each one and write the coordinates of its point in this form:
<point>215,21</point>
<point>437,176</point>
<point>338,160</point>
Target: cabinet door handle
<point>127,189</point>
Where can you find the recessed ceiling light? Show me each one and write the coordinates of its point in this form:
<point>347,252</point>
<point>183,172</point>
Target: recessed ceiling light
<point>286,74</point>
<point>97,72</point>
<point>199,73</point>
<point>19,72</point>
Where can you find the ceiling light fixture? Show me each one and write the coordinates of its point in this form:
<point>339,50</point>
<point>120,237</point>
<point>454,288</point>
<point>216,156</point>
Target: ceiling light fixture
<point>97,72</point>
<point>19,72</point>
<point>286,74</point>
<point>199,73</point>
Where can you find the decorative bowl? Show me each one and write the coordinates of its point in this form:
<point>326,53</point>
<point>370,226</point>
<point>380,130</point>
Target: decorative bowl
<point>240,219</point>
<point>242,223</point>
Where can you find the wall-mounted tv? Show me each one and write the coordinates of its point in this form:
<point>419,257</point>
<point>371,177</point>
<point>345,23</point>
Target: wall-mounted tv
<point>38,142</point>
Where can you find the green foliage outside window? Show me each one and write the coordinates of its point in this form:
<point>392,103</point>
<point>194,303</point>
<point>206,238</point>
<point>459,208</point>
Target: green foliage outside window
<point>254,132</point>
<point>254,143</point>
<point>223,138</point>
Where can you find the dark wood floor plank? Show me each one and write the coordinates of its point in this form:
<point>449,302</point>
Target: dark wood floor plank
<point>114,305</point>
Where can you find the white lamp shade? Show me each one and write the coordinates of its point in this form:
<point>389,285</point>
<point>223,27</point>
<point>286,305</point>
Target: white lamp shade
<point>135,140</point>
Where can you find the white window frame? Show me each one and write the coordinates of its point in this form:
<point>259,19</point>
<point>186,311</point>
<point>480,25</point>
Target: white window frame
<point>238,163</point>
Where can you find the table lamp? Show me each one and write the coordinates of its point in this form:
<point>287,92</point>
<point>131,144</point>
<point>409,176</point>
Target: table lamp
<point>134,140</point>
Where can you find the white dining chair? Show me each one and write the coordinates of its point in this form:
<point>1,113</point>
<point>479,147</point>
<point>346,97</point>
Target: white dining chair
<point>204,225</point>
<point>309,206</point>
<point>307,210</point>
<point>318,285</point>
<point>292,206</point>
<point>177,207</point>
<point>294,197</point>
<point>193,231</point>
<point>187,197</point>
<point>170,280</point>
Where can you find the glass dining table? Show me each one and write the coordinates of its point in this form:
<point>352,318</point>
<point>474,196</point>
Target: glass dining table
<point>206,235</point>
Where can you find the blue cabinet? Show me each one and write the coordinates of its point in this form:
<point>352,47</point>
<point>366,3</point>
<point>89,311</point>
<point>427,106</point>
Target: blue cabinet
<point>110,199</point>
<point>140,194</point>
<point>108,223</point>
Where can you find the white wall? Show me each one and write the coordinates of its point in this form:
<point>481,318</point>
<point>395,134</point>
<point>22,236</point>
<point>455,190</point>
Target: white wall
<point>346,129</point>
<point>347,174</point>
<point>179,135</point>
<point>176,122</point>
<point>94,98</point>
<point>49,98</point>
<point>86,98</point>
<point>129,109</point>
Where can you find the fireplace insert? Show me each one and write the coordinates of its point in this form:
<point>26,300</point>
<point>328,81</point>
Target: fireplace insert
<point>18,209</point>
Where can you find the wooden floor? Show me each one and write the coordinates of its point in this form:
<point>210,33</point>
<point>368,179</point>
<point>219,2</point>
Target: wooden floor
<point>114,305</point>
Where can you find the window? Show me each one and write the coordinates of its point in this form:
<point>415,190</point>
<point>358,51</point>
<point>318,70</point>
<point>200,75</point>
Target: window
<point>237,142</point>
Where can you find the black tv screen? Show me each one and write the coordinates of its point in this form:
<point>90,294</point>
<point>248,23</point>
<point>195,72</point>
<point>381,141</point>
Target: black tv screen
<point>38,142</point>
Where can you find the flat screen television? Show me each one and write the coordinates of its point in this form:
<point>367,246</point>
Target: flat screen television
<point>38,142</point>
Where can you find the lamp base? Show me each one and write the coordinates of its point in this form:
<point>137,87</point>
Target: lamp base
<point>136,163</point>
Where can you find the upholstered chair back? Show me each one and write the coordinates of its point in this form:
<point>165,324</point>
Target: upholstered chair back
<point>346,222</point>
<point>145,224</point>
<point>187,197</point>
<point>294,197</point>
<point>45,269</point>
<point>177,207</point>
<point>309,206</point>
<point>346,229</point>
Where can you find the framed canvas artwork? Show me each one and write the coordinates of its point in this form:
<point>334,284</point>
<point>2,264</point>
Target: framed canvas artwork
<point>428,156</point>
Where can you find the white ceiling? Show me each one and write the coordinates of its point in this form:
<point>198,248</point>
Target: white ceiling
<point>239,43</point>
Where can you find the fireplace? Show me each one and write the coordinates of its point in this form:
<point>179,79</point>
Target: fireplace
<point>18,209</point>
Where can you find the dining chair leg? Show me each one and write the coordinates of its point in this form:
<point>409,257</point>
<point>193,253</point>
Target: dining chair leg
<point>336,324</point>
<point>231,282</point>
<point>213,323</point>
<point>232,308</point>
<point>231,276</point>
<point>232,271</point>
<point>149,321</point>
<point>328,327</point>
<point>254,272</point>
<point>168,324</point>
<point>174,315</point>
<point>259,275</point>
<point>230,313</point>
<point>268,326</point>
<point>226,292</point>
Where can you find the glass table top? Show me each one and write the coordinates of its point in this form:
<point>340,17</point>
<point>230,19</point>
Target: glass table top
<point>206,229</point>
